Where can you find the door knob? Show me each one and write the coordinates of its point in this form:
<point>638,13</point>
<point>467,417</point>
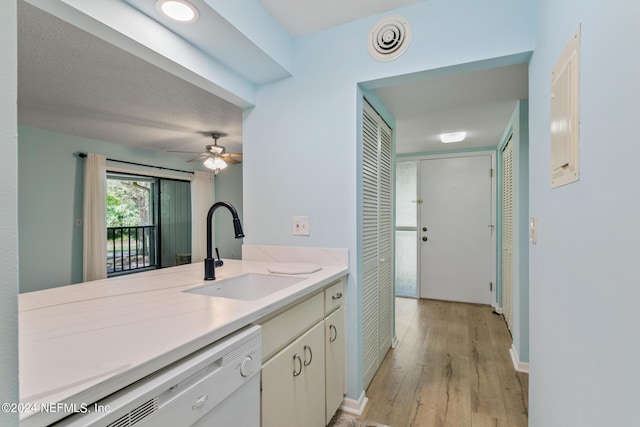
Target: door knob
<point>424,238</point>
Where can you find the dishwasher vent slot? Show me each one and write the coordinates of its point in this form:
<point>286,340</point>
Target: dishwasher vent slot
<point>136,415</point>
<point>255,342</point>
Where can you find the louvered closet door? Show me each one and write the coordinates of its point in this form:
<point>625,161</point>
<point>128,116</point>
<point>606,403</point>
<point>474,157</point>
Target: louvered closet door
<point>376,245</point>
<point>507,233</point>
<point>385,289</point>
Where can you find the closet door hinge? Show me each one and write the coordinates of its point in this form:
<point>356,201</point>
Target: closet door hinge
<point>491,173</point>
<point>490,286</point>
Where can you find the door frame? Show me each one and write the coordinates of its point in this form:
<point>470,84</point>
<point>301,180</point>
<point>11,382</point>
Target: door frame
<point>443,155</point>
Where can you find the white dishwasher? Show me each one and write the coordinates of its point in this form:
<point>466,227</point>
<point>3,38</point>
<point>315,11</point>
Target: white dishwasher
<point>218,385</point>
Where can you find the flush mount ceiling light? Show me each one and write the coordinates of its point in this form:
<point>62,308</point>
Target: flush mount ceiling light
<point>178,10</point>
<point>448,138</point>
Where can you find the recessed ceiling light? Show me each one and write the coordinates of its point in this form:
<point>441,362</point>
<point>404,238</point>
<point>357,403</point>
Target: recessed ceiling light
<point>452,137</point>
<point>178,10</point>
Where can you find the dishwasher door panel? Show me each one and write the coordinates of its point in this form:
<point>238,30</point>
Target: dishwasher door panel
<point>218,385</point>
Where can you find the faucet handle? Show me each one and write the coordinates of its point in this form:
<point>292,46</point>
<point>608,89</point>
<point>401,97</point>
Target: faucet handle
<point>218,262</point>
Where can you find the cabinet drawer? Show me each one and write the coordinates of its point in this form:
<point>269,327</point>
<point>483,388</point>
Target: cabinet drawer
<point>334,295</point>
<point>280,330</point>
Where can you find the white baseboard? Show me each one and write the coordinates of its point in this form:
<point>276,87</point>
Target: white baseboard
<point>355,407</point>
<point>497,309</point>
<point>517,364</point>
<point>394,341</point>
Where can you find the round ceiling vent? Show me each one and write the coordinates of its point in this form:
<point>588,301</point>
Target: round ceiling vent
<point>389,38</point>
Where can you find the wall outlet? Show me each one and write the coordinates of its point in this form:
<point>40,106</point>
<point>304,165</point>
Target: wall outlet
<point>300,225</point>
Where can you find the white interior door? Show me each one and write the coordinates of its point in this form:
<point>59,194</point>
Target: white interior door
<point>455,229</point>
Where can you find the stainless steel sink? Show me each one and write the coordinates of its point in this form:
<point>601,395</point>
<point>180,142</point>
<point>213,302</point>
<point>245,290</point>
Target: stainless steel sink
<point>248,287</point>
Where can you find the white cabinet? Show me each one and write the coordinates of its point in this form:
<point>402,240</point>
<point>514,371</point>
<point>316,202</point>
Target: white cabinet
<point>334,347</point>
<point>293,383</point>
<point>304,359</point>
<point>335,352</point>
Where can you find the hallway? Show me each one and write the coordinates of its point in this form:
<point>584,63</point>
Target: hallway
<point>451,368</point>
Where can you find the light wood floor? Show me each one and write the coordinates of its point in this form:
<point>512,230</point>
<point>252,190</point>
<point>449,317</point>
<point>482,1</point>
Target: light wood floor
<point>451,368</point>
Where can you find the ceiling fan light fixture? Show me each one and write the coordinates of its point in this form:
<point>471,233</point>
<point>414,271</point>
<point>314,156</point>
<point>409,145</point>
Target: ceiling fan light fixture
<point>215,163</point>
<point>178,10</point>
<point>448,138</point>
<point>215,149</point>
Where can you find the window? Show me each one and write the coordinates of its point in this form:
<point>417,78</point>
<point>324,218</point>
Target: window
<point>406,270</point>
<point>148,223</point>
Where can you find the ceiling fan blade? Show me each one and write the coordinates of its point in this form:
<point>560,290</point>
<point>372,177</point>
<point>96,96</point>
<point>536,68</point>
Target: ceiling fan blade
<point>178,151</point>
<point>231,160</point>
<point>203,156</point>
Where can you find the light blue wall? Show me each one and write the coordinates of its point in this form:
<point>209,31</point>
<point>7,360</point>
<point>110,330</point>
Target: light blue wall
<point>229,189</point>
<point>8,212</point>
<point>585,280</point>
<point>50,201</point>
<point>518,126</point>
<point>301,140</point>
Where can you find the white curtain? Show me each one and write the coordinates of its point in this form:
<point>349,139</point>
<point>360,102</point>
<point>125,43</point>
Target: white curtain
<point>202,197</point>
<point>94,230</point>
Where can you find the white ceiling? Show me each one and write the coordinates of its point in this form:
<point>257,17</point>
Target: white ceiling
<point>309,16</point>
<point>75,83</point>
<point>479,103</point>
<point>72,82</point>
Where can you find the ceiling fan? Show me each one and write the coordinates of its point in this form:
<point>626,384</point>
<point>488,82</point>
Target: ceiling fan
<point>215,157</point>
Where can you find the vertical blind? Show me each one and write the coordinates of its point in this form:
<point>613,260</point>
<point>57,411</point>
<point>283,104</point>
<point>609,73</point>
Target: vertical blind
<point>175,220</point>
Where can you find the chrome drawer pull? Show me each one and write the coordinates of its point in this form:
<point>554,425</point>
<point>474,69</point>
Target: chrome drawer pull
<point>306,347</point>
<point>299,371</point>
<point>337,296</point>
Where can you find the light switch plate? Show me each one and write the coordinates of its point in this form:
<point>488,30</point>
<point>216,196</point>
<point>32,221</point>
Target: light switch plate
<point>300,225</point>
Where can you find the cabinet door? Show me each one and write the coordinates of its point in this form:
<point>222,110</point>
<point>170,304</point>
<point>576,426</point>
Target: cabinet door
<point>312,402</point>
<point>335,353</point>
<point>293,383</point>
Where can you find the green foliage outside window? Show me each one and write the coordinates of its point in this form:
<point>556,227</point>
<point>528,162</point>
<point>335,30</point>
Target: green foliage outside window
<point>128,203</point>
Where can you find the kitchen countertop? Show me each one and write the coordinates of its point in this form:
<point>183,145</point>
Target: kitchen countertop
<point>82,342</point>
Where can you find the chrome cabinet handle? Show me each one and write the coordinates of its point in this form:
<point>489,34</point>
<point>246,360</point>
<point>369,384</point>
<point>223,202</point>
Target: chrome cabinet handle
<point>334,336</point>
<point>337,296</point>
<point>306,347</point>
<point>299,371</point>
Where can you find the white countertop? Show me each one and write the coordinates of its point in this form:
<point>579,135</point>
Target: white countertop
<point>81,342</point>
